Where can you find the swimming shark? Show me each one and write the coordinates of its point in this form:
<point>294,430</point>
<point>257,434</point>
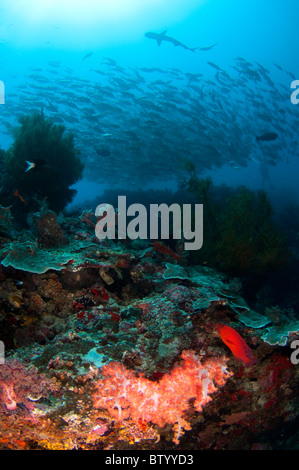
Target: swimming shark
<point>159,37</point>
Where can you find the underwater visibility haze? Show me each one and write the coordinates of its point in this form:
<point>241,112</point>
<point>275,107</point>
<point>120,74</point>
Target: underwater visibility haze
<point>149,232</point>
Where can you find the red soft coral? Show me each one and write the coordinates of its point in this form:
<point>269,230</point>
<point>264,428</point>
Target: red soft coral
<point>135,398</point>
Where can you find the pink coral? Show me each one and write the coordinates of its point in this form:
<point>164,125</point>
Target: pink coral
<point>138,399</point>
<point>19,385</point>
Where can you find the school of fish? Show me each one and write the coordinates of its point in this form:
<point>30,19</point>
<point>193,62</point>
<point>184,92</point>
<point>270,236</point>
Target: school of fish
<point>138,125</point>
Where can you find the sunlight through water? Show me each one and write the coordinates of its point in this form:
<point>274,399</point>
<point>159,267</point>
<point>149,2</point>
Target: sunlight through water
<point>101,19</point>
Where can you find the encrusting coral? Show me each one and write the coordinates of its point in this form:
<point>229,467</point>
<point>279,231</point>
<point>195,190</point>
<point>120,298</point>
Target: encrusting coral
<point>20,385</point>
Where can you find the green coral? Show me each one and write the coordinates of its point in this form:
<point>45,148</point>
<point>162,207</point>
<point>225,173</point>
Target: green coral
<point>39,139</point>
<point>6,222</point>
<point>248,240</point>
<point>198,186</point>
<point>239,235</point>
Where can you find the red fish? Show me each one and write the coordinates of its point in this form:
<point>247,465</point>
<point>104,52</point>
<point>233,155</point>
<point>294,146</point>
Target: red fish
<point>17,194</point>
<point>236,344</point>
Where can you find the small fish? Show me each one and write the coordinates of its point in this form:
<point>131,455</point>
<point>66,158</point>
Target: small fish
<point>278,66</point>
<point>267,137</point>
<point>215,66</point>
<point>38,165</point>
<point>30,165</point>
<point>291,75</point>
<point>87,55</point>
<point>17,194</point>
<point>236,344</point>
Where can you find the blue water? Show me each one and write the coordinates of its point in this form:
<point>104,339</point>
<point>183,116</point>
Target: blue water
<point>139,110</point>
<point>33,35</point>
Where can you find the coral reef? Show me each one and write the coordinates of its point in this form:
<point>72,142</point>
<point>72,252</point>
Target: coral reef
<point>116,346</point>
<point>20,385</point>
<point>50,233</point>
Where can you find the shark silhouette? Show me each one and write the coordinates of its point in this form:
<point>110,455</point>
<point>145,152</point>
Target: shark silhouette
<point>159,37</point>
